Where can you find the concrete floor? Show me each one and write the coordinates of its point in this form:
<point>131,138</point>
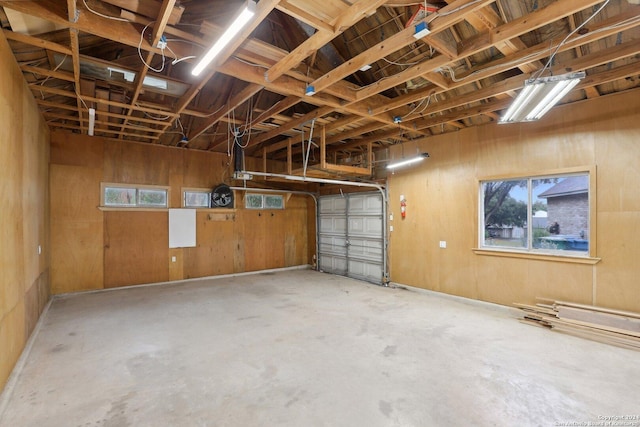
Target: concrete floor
<point>301,348</point>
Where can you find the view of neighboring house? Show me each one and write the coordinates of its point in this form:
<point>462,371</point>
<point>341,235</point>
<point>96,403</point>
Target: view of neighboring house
<point>568,205</point>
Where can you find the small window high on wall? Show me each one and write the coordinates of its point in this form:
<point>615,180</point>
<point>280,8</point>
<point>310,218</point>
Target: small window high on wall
<point>263,201</point>
<point>540,214</point>
<point>134,196</point>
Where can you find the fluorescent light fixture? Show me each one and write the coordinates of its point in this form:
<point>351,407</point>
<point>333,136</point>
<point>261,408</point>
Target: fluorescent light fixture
<point>310,90</point>
<point>406,162</point>
<point>538,96</point>
<point>235,27</point>
<point>92,121</point>
<point>365,67</point>
<point>421,30</point>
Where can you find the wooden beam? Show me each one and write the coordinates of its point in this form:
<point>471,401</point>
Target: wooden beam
<point>233,103</point>
<point>150,8</point>
<point>289,158</point>
<point>48,73</point>
<point>534,53</point>
<point>356,12</point>
<point>303,16</point>
<point>457,11</point>
<point>263,8</point>
<point>87,22</point>
<point>291,124</point>
<point>55,91</point>
<point>38,42</point>
<point>323,147</point>
<point>166,8</point>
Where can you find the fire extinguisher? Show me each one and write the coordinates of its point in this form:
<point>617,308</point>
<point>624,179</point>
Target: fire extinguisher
<point>403,208</point>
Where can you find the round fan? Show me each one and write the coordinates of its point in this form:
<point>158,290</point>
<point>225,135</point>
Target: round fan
<point>222,197</point>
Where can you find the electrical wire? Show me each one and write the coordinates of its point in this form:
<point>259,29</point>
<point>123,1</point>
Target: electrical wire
<point>408,64</point>
<point>251,63</point>
<point>157,70</point>
<point>154,117</point>
<point>54,70</point>
<point>550,60</point>
<point>114,18</point>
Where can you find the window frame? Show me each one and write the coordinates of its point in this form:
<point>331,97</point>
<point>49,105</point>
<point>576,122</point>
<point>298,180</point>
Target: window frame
<point>263,198</point>
<point>105,185</point>
<point>186,190</point>
<point>589,257</point>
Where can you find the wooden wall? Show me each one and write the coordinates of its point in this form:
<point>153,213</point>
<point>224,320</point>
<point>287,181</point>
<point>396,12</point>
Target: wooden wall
<point>24,221</point>
<point>95,249</point>
<point>442,204</point>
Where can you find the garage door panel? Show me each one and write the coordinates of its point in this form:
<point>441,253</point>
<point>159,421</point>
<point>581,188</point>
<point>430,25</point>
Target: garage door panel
<point>333,245</point>
<point>351,236</point>
<point>367,204</point>
<point>365,226</point>
<point>332,204</point>
<point>334,225</point>
<point>365,248</point>
<point>365,271</point>
<point>334,264</point>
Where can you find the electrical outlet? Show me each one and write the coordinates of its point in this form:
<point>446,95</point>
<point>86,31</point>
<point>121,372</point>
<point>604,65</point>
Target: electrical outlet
<point>391,217</point>
<point>39,250</point>
<point>173,259</point>
<point>391,228</point>
<point>443,244</point>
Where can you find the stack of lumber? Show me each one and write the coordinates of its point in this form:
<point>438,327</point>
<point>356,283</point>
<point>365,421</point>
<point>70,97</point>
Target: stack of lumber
<point>615,327</point>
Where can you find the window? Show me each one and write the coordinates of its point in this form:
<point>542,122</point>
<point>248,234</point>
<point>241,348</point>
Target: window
<point>196,198</point>
<point>273,202</point>
<point>545,214</point>
<point>132,196</point>
<point>263,201</point>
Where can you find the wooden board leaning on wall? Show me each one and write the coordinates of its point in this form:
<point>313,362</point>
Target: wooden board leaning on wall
<point>615,327</point>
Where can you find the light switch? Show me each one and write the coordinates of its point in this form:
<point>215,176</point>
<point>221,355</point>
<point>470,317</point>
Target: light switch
<point>443,244</point>
<point>391,228</point>
<point>173,259</point>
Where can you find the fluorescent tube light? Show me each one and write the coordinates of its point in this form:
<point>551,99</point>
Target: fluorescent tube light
<point>538,96</point>
<point>92,121</point>
<point>237,25</point>
<point>406,162</point>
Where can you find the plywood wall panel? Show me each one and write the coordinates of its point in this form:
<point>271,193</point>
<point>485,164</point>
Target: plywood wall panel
<point>618,272</point>
<point>601,132</point>
<point>129,163</point>
<point>12,339</point>
<point>136,248</point>
<point>214,253</point>
<point>24,221</point>
<point>76,150</point>
<point>261,244</point>
<point>77,258</point>
<point>295,238</point>
<point>176,264</point>
<point>77,229</point>
<point>206,170</point>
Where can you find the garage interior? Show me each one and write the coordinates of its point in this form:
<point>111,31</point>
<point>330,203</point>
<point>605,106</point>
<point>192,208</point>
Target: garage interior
<point>240,237</point>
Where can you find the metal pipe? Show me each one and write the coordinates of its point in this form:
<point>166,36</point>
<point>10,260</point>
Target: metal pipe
<point>304,193</point>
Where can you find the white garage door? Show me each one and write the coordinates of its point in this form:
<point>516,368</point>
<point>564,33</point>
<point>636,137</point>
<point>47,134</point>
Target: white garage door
<point>350,236</point>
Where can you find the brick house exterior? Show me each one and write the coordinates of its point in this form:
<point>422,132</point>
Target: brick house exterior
<point>568,205</point>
